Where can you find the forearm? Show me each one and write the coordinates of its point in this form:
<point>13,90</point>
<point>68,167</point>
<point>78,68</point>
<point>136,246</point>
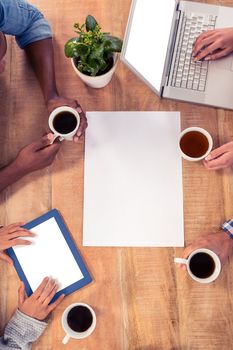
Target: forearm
<point>41,57</point>
<point>21,332</point>
<point>10,174</point>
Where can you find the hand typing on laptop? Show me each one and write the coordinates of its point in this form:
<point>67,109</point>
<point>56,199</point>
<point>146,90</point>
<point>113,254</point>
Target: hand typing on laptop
<point>213,44</point>
<point>220,158</point>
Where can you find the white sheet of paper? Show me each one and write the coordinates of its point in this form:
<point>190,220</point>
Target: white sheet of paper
<point>48,255</point>
<point>133,180</point>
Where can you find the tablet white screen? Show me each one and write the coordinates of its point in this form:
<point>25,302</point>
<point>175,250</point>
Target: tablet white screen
<point>48,255</point>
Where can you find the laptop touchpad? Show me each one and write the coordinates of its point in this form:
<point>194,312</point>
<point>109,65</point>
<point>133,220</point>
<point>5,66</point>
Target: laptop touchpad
<point>223,63</point>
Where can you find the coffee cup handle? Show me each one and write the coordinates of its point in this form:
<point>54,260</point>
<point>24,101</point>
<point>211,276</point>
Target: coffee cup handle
<point>56,136</point>
<point>65,339</point>
<point>180,261</point>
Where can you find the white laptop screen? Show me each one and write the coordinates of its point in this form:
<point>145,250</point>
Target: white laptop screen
<point>148,38</point>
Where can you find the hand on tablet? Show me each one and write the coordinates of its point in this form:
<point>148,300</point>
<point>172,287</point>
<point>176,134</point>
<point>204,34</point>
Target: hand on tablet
<point>220,158</point>
<point>213,44</point>
<point>11,236</point>
<point>37,305</point>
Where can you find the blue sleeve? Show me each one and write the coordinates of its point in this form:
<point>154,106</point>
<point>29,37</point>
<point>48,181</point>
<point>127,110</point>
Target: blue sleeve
<point>24,21</point>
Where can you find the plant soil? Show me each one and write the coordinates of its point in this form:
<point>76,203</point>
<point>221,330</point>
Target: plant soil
<point>109,66</point>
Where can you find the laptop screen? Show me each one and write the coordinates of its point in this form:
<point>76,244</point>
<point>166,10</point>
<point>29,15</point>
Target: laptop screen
<point>148,37</point>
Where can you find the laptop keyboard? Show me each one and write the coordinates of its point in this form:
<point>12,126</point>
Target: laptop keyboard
<point>188,74</point>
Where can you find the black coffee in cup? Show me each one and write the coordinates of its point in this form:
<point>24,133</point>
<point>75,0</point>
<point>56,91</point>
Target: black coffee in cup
<point>64,122</point>
<point>202,265</point>
<point>79,318</point>
<point>194,144</point>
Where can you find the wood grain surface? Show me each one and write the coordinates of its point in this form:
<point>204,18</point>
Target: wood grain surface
<point>142,300</point>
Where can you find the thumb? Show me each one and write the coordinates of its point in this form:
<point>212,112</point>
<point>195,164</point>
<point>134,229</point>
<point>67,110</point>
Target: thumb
<point>218,152</point>
<point>21,293</point>
<point>6,258</point>
<point>51,150</point>
<point>41,143</point>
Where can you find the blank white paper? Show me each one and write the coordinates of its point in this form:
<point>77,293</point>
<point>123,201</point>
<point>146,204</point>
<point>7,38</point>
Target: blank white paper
<point>133,180</point>
<point>48,255</point>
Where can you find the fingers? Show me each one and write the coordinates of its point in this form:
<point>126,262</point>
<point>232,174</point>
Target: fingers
<point>6,258</point>
<point>56,303</point>
<point>206,36</point>
<point>201,43</point>
<point>220,158</point>
<point>72,103</point>
<point>221,162</point>
<point>17,229</point>
<point>40,289</point>
<point>20,233</point>
<point>188,250</point>
<point>51,295</point>
<point>83,122</point>
<point>12,226</point>
<point>47,290</point>
<point>21,293</point>
<point>206,52</point>
<point>81,129</point>
<point>217,55</point>
<point>50,137</point>
<point>186,254</point>
<point>18,241</point>
<point>50,152</point>
<point>41,143</point>
<point>217,152</point>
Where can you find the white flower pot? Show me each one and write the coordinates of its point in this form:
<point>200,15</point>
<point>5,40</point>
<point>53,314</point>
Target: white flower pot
<point>99,81</point>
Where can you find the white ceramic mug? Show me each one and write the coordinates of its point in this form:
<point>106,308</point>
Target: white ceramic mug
<point>55,112</point>
<point>214,256</point>
<point>77,335</point>
<point>206,134</point>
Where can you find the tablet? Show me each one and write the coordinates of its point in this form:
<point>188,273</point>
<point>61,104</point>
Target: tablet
<point>53,254</point>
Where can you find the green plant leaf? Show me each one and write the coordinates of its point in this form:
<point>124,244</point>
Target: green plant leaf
<point>82,50</point>
<point>98,52</point>
<point>70,47</point>
<point>90,23</point>
<point>94,66</point>
<point>96,58</point>
<point>112,43</point>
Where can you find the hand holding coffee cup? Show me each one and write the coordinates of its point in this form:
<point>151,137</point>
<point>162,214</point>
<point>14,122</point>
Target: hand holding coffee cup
<point>195,144</point>
<point>203,265</point>
<point>64,122</point>
<point>220,158</point>
<point>219,242</point>
<point>78,321</point>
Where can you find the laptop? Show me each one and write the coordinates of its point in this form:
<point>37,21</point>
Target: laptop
<point>158,48</point>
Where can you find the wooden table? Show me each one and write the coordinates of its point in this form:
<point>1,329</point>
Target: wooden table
<point>142,300</point>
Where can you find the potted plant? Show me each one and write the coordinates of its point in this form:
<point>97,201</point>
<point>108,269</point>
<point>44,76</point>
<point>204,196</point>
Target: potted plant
<point>93,53</point>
